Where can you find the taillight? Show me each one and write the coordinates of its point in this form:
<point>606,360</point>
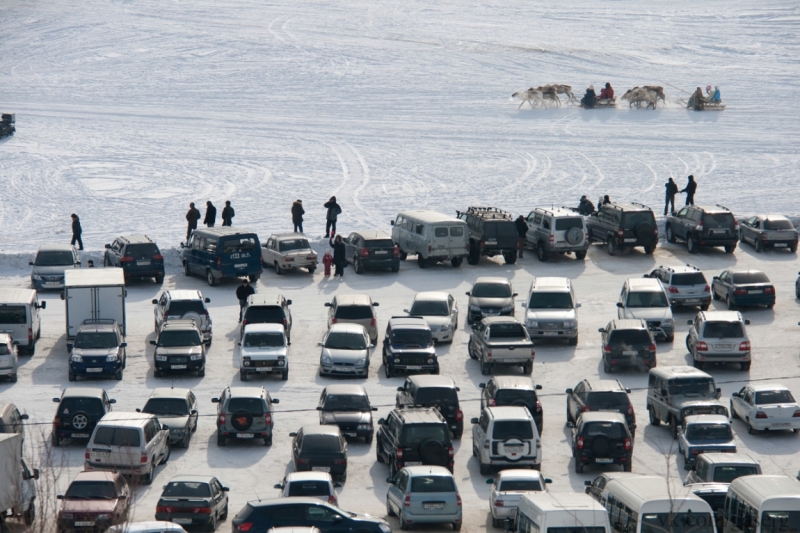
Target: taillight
<point>163,510</point>
<point>219,262</point>
<point>451,452</point>
<point>268,418</point>
<point>222,419</point>
<point>407,501</point>
<point>87,455</point>
<point>586,408</point>
<point>538,406</point>
<point>761,414</point>
<point>740,292</point>
<point>552,238</point>
<point>700,226</point>
<point>499,503</point>
<point>796,414</point>
<point>245,526</point>
<point>396,252</point>
<point>301,461</point>
<point>334,320</point>
<point>480,245</point>
<point>707,288</point>
<point>580,443</point>
<point>533,353</point>
<point>143,459</point>
<point>332,499</point>
<point>489,355</point>
<point>285,322</point>
<point>652,347</point>
<point>673,290</point>
<point>627,444</point>
<point>458,499</point>
<point>30,336</point>
<point>607,348</point>
<point>429,249</point>
<point>364,252</point>
<point>492,403</point>
<point>340,461</point>
<point>202,510</point>
<point>373,322</point>
<point>769,290</point>
<point>459,415</point>
<point>244,322</point>
<point>630,410</point>
<point>620,233</point>
<point>764,237</point>
<point>399,454</point>
<point>158,257</point>
<point>125,259</point>
<point>745,346</point>
<point>701,346</point>
<point>57,422</point>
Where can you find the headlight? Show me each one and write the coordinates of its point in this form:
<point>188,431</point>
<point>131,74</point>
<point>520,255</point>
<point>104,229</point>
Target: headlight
<point>246,362</point>
<point>687,412</point>
<point>76,358</point>
<point>361,362</point>
<point>112,358</point>
<point>281,362</point>
<point>161,358</point>
<point>430,361</point>
<point>667,322</point>
<point>474,308</point>
<point>507,308</point>
<point>385,528</point>
<point>570,323</point>
<point>720,410</point>
<point>103,517</point>
<point>532,323</point>
<point>196,357</point>
<point>67,516</point>
<point>446,327</point>
<point>364,426</point>
<point>397,360</point>
<point>36,277</point>
<point>326,360</point>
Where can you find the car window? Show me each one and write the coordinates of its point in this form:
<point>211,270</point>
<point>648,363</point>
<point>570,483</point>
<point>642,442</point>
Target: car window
<point>456,231</point>
<point>253,406</point>
<point>420,229</point>
<point>772,224</point>
<point>418,434</point>
<point>550,300</point>
<point>718,220</point>
<point>339,340</point>
<point>411,337</point>
<point>506,429</point>
<point>293,244</point>
<point>609,429</point>
<point>647,299</point>
<point>440,232</point>
<point>691,386</point>
<point>90,406</point>
<point>54,259</point>
<point>491,290</point>
<point>4,349</point>
<point>719,330</point>
<point>186,489</point>
<point>151,430</point>
<point>353,312</point>
<point>520,485</point>
<point>436,395</point>
<point>700,432</point>
<point>774,396</point>
<point>629,337</point>
<point>12,315</point>
<point>726,474</point>
<point>507,331</point>
<point>427,308</point>
<point>91,490</point>
<point>607,400</point>
<point>115,436</point>
<point>688,278</point>
<point>263,340</point>
<point>750,277</point>
<point>166,406</point>
<point>95,340</point>
<point>309,488</point>
<point>432,484</point>
<point>346,402</point>
<point>509,396</point>
<point>209,246</point>
<point>181,307</point>
<point>638,217</point>
<point>238,244</point>
<point>321,443</point>
<point>141,250</point>
<point>174,338</point>
<point>321,514</point>
<point>563,224</point>
<point>264,314</point>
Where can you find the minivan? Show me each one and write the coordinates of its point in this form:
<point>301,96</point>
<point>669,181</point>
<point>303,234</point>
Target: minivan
<point>434,237</point>
<point>19,317</point>
<point>354,309</point>
<point>562,512</point>
<point>222,253</point>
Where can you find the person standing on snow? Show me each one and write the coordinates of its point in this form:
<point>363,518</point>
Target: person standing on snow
<point>192,216</point>
<point>585,207</point>
<point>211,215</point>
<point>297,215</point>
<point>338,255</point>
<point>77,230</point>
<point>228,214</point>
<point>334,210</point>
<point>690,189</point>
<point>243,292</point>
<point>522,230</point>
<point>672,190</point>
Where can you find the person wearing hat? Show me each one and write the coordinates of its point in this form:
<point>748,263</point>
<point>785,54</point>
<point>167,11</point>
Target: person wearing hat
<point>243,292</point>
<point>691,187</point>
<point>192,216</point>
<point>590,98</point>
<point>713,96</point>
<point>211,215</point>
<point>297,215</point>
<point>586,207</point>
<point>672,190</point>
<point>227,214</point>
<point>607,92</point>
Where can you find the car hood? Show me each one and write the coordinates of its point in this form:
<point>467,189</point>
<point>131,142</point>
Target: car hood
<point>695,401</point>
<point>88,506</point>
<point>50,270</point>
<point>551,314</point>
<point>349,356</point>
<point>179,350</point>
<point>94,352</point>
<point>649,313</point>
<point>266,353</point>
<point>716,443</point>
<point>491,302</point>
<point>346,417</point>
<point>175,421</point>
<point>437,321</point>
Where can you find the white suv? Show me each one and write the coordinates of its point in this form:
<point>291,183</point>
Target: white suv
<point>552,311</point>
<point>557,230</point>
<point>506,437</point>
<point>645,298</point>
<point>264,349</point>
<point>189,305</point>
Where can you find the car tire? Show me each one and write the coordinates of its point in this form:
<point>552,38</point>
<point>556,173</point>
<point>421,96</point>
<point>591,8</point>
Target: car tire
<point>456,262</point>
<point>389,510</point>
<point>388,370</point>
<point>484,469</point>
<point>691,247</point>
<point>607,367</point>
<point>421,261</point>
<point>202,372</point>
<point>486,368</point>
<point>118,375</point>
<point>581,255</point>
<point>185,442</point>
<point>456,526</point>
<point>671,338</point>
<point>268,441</point>
<point>253,277</point>
<point>793,248</point>
<point>224,515</point>
<point>729,302</point>
<point>673,427</point>
<point>159,279</point>
<point>358,266</point>
<point>541,253</point>
<point>686,464</point>
<point>278,270</point>
<point>378,456</point>
<point>697,364</point>
<point>147,479</point>
<point>473,257</point>
<point>758,245</point>
<point>704,307</point>
<point>221,440</point>
<point>242,375</point>
<point>746,366</point>
<point>403,255</point>
<point>212,524</point>
<point>573,341</point>
<point>649,249</point>
<point>311,270</point>
<point>403,524</point>
<point>628,466</point>
<point>612,247</point>
<point>734,416</point>
<point>30,515</point>
<point>54,440</point>
<point>396,269</point>
<point>730,248</point>
<point>210,278</point>
<point>578,467</point>
<point>510,257</point>
<point>496,522</point>
<point>368,439</point>
<point>750,430</point>
<point>285,376</point>
<point>714,294</point>
<point>71,376</point>
<point>670,234</point>
<point>166,457</point>
<point>527,368</point>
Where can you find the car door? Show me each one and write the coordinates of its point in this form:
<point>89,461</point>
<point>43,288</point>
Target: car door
<point>114,253</point>
<point>397,490</point>
<point>326,518</point>
<point>192,410</point>
<point>595,490</point>
<point>748,404</point>
<point>220,496</point>
<point>679,223</point>
<point>738,406</point>
<point>404,394</point>
<point>160,310</point>
<point>451,303</point>
<point>722,284</point>
<point>746,229</point>
<point>479,429</point>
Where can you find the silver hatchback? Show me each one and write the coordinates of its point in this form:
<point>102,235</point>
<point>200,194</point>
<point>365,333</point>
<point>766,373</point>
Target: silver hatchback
<point>424,495</point>
<point>719,337</point>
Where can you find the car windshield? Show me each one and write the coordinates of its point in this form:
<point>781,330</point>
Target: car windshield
<point>687,279</point>
<point>91,490</point>
<point>432,484</point>
<point>263,340</point>
<point>507,429</point>
<point>354,312</point>
<point>96,340</point>
<point>166,406</point>
<point>254,406</point>
<point>173,338</point>
<point>321,443</point>
<point>563,224</point>
<point>238,244</point>
<point>703,432</point>
<point>293,244</point>
<point>721,330</point>
<point>116,436</point>
<point>428,308</point>
<point>491,290</point>
<point>750,277</point>
<point>186,489</point>
<point>12,315</point>
<point>777,224</point>
<point>633,219</point>
<point>309,488</point>
<point>550,300</point>
<point>515,396</point>
<point>609,429</point>
<point>507,331</point>
<point>629,337</point>
<point>726,474</point>
<point>718,220</point>
<point>411,337</point>
<point>54,259</point>
<point>346,402</point>
<point>599,401</point>
<point>780,521</point>
<point>91,406</point>
<point>647,299</point>
<point>499,229</point>
<point>380,243</point>
<point>415,435</point>
<point>181,307</point>
<point>141,250</point>
<point>774,396</point>
<point>691,386</point>
<point>338,340</point>
<point>520,485</point>
<point>436,395</point>
<point>677,523</point>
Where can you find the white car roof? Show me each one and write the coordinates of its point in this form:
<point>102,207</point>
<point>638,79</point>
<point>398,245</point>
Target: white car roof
<point>428,470</point>
<point>707,419</point>
<point>760,387</point>
<point>263,328</point>
<point>308,476</point>
<point>519,473</point>
<point>348,327</point>
<point>431,296</point>
<point>723,316</point>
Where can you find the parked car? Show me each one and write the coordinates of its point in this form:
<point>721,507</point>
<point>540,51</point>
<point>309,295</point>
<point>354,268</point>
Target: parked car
<point>703,226</point>
<point>355,309</point>
<point>491,232</point>
<point>50,264</point>
<point>501,341</point>
<point>20,317</point>
<point>223,252</point>
<point>150,526</point>
<point>702,434</point>
<point>408,347</point>
<point>721,468</point>
<point>490,296</point>
<point>432,236</point>
<point>178,409</point>
<point>675,392</point>
<point>264,350</point>
<point>719,337</point>
<point>79,409</point>
<point>320,449</point>
<point>645,298</point>
<point>508,487</point>
<point>371,250</point>
<point>623,226</point>
<point>684,284</point>
<point>600,395</point>
<point>740,288</point>
<point>557,230</point>
<point>766,407</point>
<point>244,413</point>
<point>261,516</point>
<point>769,232</point>
<point>439,392</point>
<point>440,311</point>
<point>513,390</point>
<point>11,420</point>
<point>94,501</point>
<point>288,251</point>
<point>180,348</point>
<point>627,342</point>
<point>309,484</point>
<point>348,407</point>
<point>137,255</point>
<point>601,438</point>
<point>8,358</point>
<point>412,436</point>
<point>509,437</point>
<point>551,310</point>
<point>183,304</point>
<point>345,351</point>
<point>192,500</point>
<point>98,350</point>
<point>268,308</point>
<point>424,495</point>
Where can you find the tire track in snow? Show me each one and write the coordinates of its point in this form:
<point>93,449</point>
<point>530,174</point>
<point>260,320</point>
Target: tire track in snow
<point>599,172</point>
<point>364,179</point>
<point>652,171</point>
<point>530,168</point>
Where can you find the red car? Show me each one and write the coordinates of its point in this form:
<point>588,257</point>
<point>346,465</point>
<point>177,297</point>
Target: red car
<point>94,501</point>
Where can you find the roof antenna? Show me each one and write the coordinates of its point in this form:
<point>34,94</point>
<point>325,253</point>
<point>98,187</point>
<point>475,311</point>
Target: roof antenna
<point>257,496</point>
<point>172,387</point>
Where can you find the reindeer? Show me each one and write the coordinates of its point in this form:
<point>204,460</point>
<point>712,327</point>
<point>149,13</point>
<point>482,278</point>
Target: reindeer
<point>532,96</point>
<point>637,95</point>
<point>549,92</point>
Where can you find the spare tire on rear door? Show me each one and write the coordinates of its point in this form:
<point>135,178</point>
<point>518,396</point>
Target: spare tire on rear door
<point>645,231</point>
<point>241,420</point>
<point>433,452</point>
<point>575,236</point>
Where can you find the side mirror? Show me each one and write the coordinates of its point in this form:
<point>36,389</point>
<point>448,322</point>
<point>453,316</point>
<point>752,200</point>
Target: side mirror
<point>60,497</point>
<point>193,412</point>
<point>690,322</point>
<point>747,322</point>
<point>42,305</point>
<point>337,485</point>
<point>619,304</point>
<point>112,400</point>
<point>107,246</point>
<point>538,387</point>
<point>627,390</point>
<point>473,420</point>
<point>400,389</point>
<point>601,330</point>
<point>490,481</point>
<point>373,408</point>
<point>288,302</point>
<point>63,296</point>
<point>123,345</point>
<point>207,342</point>
<point>35,473</point>
<point>482,385</point>
<point>56,400</point>
<point>375,304</point>
<point>30,263</point>
<point>319,408</point>
<point>588,483</point>
<point>568,391</point>
<point>275,400</point>
<point>70,346</point>
<point>570,425</point>
<point>239,343</point>
<point>371,346</point>
<point>458,389</point>
<point>277,486</point>
<point>391,223</point>
<point>467,293</point>
<point>389,480</point>
<point>548,480</point>
<point>214,400</point>
<point>715,277</point>
<point>718,393</point>
<point>577,305</point>
<point>164,426</point>
<point>327,304</point>
<point>226,489</point>
<point>320,345</point>
<point>183,245</point>
<point>293,434</point>
<point>154,301</point>
<point>337,518</point>
<point>138,410</point>
<point>24,416</point>
<point>507,524</point>
<point>382,422</point>
<point>207,300</point>
<point>515,294</point>
<point>735,394</point>
<point>153,343</point>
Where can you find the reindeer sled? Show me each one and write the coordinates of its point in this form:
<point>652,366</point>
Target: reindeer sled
<point>544,96</point>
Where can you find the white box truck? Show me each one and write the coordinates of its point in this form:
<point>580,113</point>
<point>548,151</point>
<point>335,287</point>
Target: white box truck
<point>93,293</point>
<point>18,489</point>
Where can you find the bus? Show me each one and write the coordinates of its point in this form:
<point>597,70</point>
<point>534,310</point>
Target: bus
<point>762,504</point>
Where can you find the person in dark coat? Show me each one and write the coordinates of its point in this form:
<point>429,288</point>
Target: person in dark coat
<point>339,260</point>
<point>690,189</point>
<point>297,215</point>
<point>243,292</point>
<point>522,230</point>
<point>585,207</point>
<point>334,210</point>
<point>590,98</point>
<point>672,190</point>
<point>211,215</point>
<point>606,200</point>
<point>227,214</point>
<point>192,216</point>
<point>77,230</point>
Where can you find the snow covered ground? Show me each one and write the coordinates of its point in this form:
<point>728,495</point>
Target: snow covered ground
<point>127,111</point>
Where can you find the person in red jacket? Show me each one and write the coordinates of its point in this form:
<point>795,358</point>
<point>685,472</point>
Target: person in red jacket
<point>608,92</point>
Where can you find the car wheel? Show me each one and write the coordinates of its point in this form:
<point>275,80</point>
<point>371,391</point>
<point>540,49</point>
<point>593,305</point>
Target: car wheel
<point>730,248</point>
<point>389,510</point>
<point>474,256</point>
<point>357,266</point>
<point>378,456</point>
<point>118,375</point>
<point>403,255</point>
<point>793,248</point>
<point>202,372</point>
<point>368,439</point>
<point>578,467</point>
<point>612,247</point>
<point>167,456</point>
<point>671,338</point>
<point>224,515</point>
<point>686,465</point>
<point>278,270</point>
<point>268,441</point>
<point>221,439</point>
<point>731,305</point>
<point>71,376</point>
<point>496,522</point>
<point>697,364</point>
<point>541,253</point>
<point>387,369</point>
<point>673,427</point>
<point>704,307</point>
<point>403,523</point>
<point>210,278</point>
<point>30,515</point>
<point>628,466</point>
<point>654,420</point>
<point>486,369</point>
<point>733,413</point>
<point>311,270</point>
<point>670,234</point>
<point>421,261</point>
<point>687,344</point>
<point>607,367</point>
<point>212,524</point>
<point>746,366</point>
<point>581,255</point>
<point>185,442</point>
<point>484,469</point>
<point>285,376</point>
<point>690,245</point>
<point>758,245</point>
<point>242,375</point>
<point>148,478</point>
<point>573,341</point>
<point>750,429</point>
<point>159,279</point>
<point>253,277</point>
<point>714,294</point>
<point>510,257</point>
<point>186,269</point>
<point>456,526</point>
<point>54,440</point>
<point>527,368</point>
<point>456,262</point>
<point>649,249</point>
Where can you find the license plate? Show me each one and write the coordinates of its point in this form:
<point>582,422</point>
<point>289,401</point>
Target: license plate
<point>351,435</point>
<point>380,252</point>
<point>182,520</point>
<point>345,369</point>
<point>84,523</point>
<point>94,369</point>
<point>413,367</point>
<point>320,469</point>
<point>513,449</point>
<point>142,263</point>
<point>177,367</point>
<point>692,300</point>
<point>754,292</point>
<point>629,352</point>
<point>780,245</point>
<point>80,435</point>
<point>550,333</point>
<point>604,460</point>
<point>240,265</point>
<point>630,240</point>
<point>718,231</point>
<point>52,284</point>
<point>433,506</point>
<point>244,435</point>
<point>263,369</point>
<point>780,425</point>
<point>412,463</point>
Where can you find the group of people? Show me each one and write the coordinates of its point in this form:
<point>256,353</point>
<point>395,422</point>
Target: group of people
<point>586,207</point>
<point>698,100</point>
<point>193,216</point>
<point>590,97</point>
<point>331,216</point>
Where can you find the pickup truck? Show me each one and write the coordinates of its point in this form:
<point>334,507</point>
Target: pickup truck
<point>501,340</point>
<point>768,231</point>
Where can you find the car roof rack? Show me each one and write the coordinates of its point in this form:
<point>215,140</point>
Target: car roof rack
<point>487,213</point>
<point>640,204</point>
<point>722,206</point>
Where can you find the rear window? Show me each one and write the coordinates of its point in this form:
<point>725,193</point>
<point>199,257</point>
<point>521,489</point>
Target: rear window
<point>718,220</point>
<point>354,312</point>
<point>322,443</point>
<point>726,474</point>
<point>721,330</point>
<point>411,337</point>
<point>563,224</point>
<point>91,406</point>
<point>4,350</point>
<point>166,407</point>
<point>54,259</point>
<point>631,220</point>
<point>629,336</point>
<point>432,484</point>
<point>432,395</point>
<point>689,278</point>
<point>507,331</point>
<point>491,290</point>
<point>264,314</point>
<point>12,315</point>
<point>181,307</point>
<point>577,529</point>
<point>420,433</point>
<point>607,400</point>
<point>509,396</point>
<point>498,230</point>
<point>550,300</point>
<point>440,232</point>
<point>114,436</point>
<point>701,432</point>
<point>141,250</point>
<point>309,488</point>
<point>777,224</point>
<point>774,396</point>
<point>384,243</point>
<point>293,244</point>
<point>187,489</point>
<point>521,485</point>
<point>175,338</point>
<point>456,232</point>
<point>715,500</point>
<point>254,406</point>
<point>263,340</point>
<point>238,244</point>
<point>750,277</point>
<point>609,429</point>
<point>506,429</point>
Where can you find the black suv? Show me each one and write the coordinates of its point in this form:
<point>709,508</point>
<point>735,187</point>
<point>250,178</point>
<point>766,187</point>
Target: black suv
<point>79,410</point>
<point>513,390</point>
<point>601,438</point>
<point>408,347</point>
<point>371,250</point>
<point>600,395</point>
<point>433,391</point>
<point>624,226</point>
<point>414,436</point>
<point>304,512</point>
<point>626,342</point>
<point>703,226</point>
<point>137,255</point>
<point>491,232</point>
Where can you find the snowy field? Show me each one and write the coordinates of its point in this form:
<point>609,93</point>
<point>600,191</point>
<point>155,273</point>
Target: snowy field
<point>128,110</point>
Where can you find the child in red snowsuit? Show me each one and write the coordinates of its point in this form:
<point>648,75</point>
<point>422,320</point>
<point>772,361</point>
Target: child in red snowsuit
<point>327,260</point>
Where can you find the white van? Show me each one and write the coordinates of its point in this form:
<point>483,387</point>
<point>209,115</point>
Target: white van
<point>645,504</point>
<point>560,512</point>
<point>432,236</point>
<point>19,317</point>
<point>762,504</point>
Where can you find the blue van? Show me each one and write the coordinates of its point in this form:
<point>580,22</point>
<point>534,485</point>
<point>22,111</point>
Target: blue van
<point>223,252</point>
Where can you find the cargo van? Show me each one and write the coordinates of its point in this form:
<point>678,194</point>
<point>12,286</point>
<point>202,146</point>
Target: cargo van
<point>434,237</point>
<point>19,317</point>
<point>223,252</point>
<point>762,504</point>
<point>560,512</point>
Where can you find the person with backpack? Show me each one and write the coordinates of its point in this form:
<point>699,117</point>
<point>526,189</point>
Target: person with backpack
<point>334,210</point>
<point>228,214</point>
